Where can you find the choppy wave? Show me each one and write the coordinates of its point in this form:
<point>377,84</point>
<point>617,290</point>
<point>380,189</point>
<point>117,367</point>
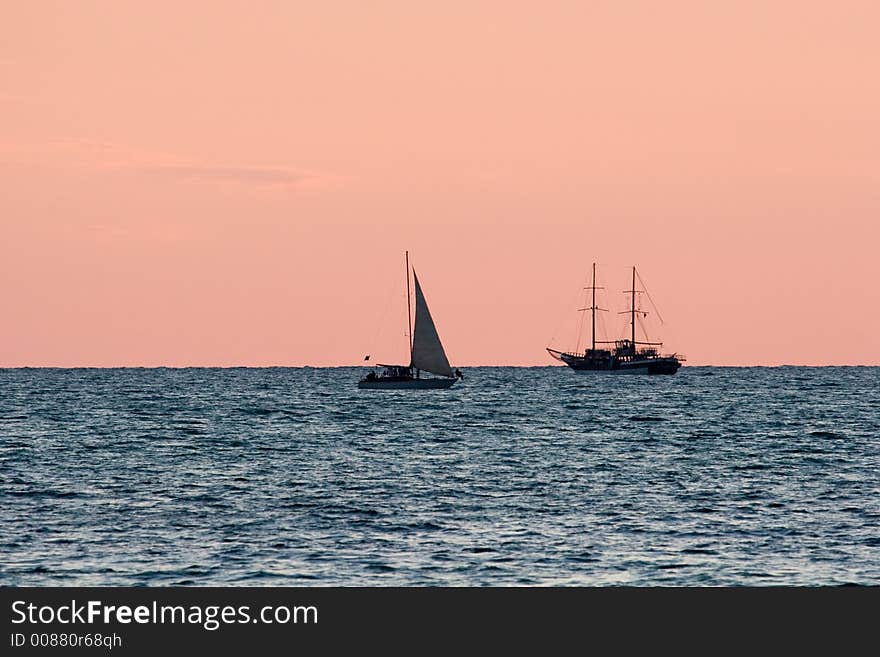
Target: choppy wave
<point>537,476</point>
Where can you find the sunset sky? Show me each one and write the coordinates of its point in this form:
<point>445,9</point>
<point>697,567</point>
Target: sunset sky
<point>235,183</point>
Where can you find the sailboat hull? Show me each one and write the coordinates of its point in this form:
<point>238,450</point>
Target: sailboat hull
<point>409,384</point>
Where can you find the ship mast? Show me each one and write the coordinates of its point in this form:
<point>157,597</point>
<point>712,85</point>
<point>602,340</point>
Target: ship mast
<point>409,310</point>
<point>633,311</point>
<point>593,308</point>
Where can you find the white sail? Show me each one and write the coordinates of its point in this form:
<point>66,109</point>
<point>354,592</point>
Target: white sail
<point>427,352</point>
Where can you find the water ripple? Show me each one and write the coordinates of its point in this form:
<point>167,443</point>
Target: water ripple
<point>515,476</point>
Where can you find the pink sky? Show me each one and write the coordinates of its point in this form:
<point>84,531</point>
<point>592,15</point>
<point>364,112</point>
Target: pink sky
<point>235,183</point>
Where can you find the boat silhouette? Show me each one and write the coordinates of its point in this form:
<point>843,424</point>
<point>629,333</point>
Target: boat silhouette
<point>624,356</point>
<point>425,351</point>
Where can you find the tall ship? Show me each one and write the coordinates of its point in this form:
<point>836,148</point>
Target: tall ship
<point>426,353</point>
<point>624,356</point>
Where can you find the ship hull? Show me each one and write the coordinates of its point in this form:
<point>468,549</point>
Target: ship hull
<point>660,366</point>
<point>651,366</point>
<point>407,384</point>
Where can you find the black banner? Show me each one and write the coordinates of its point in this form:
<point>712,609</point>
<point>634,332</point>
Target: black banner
<point>118,620</point>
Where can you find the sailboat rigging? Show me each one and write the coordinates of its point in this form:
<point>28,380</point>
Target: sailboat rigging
<point>425,351</point>
<point>628,356</point>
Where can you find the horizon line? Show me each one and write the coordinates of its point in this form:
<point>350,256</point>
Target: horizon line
<point>327,367</point>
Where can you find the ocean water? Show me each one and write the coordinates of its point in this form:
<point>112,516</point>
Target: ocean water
<point>515,476</point>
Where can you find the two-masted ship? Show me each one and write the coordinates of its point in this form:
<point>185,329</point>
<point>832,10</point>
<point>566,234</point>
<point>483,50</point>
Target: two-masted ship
<point>425,350</point>
<point>625,356</point>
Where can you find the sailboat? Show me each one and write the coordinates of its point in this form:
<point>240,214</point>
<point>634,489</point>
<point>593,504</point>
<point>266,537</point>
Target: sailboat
<point>426,352</point>
<point>628,356</point>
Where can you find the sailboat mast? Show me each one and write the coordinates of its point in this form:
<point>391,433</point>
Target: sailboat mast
<point>409,310</point>
<point>633,310</point>
<point>594,307</point>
